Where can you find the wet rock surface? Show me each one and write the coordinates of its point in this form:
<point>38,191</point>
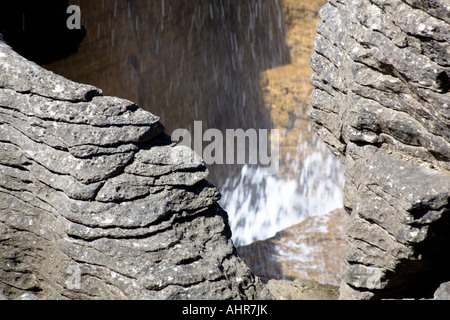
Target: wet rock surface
<point>381,103</point>
<point>313,249</point>
<point>97,203</point>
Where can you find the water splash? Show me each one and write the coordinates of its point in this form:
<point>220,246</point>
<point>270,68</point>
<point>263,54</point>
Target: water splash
<point>259,206</point>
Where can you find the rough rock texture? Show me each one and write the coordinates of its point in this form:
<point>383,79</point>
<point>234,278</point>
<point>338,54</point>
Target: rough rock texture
<point>443,292</point>
<point>313,249</point>
<point>96,203</point>
<point>301,289</point>
<point>381,103</point>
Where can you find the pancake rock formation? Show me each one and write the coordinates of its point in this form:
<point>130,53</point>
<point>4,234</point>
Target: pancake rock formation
<point>97,203</point>
<point>382,104</point>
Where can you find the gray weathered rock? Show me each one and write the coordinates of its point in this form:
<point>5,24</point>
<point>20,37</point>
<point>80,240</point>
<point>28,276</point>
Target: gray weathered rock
<point>97,203</point>
<point>443,292</point>
<point>302,289</point>
<point>23,296</point>
<point>382,104</point>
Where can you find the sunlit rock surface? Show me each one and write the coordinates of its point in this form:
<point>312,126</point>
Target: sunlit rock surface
<point>381,103</point>
<point>97,203</point>
<point>301,289</point>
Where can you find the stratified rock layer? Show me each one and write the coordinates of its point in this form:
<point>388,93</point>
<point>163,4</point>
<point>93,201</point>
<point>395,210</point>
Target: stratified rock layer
<point>381,103</point>
<point>97,203</point>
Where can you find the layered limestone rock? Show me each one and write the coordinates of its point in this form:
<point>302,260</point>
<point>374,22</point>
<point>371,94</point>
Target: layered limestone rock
<point>97,203</point>
<point>229,64</point>
<point>381,103</point>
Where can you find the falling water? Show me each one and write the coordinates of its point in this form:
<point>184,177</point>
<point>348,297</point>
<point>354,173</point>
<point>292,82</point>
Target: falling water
<point>279,202</point>
<point>231,64</point>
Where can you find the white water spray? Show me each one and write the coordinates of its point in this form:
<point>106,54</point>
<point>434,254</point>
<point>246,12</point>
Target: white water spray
<point>259,205</point>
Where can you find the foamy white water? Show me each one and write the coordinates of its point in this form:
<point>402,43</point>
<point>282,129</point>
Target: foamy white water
<point>259,205</point>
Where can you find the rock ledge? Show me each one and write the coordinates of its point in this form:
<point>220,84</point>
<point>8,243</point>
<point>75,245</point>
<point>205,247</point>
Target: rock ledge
<point>97,203</point>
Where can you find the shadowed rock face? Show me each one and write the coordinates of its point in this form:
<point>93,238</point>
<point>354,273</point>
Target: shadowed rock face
<point>97,203</point>
<point>381,103</point>
<point>38,30</point>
